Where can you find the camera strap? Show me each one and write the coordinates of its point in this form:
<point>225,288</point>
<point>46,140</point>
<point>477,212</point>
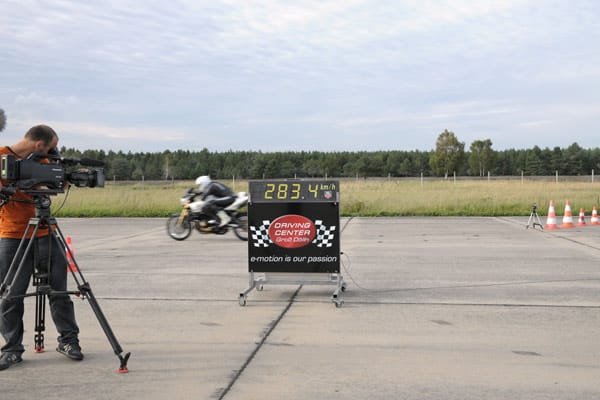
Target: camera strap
<point>14,152</point>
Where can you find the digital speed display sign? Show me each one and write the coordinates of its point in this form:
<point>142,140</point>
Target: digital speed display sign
<point>294,191</point>
<point>294,226</point>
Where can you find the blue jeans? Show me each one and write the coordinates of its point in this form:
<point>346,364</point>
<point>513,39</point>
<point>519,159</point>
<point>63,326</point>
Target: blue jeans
<point>61,306</point>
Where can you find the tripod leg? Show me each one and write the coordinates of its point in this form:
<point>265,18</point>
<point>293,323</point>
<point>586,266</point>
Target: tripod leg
<point>86,291</point>
<point>40,315</point>
<point>40,322</point>
<point>529,221</point>
<point>39,280</point>
<point>538,222</point>
<point>17,264</point>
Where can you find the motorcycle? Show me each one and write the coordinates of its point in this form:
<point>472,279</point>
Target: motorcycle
<point>180,225</point>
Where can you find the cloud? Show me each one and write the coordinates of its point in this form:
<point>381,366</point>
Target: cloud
<point>234,74</point>
<point>112,134</point>
<point>37,100</point>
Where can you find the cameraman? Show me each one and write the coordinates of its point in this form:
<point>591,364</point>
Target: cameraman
<point>14,219</point>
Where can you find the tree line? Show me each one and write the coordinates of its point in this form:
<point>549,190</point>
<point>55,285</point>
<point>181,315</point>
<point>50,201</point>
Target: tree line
<point>448,158</point>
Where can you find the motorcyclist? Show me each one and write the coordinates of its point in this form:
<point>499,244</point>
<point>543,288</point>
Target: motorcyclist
<point>216,197</point>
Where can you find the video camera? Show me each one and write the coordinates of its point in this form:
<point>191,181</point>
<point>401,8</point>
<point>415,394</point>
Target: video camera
<point>36,178</point>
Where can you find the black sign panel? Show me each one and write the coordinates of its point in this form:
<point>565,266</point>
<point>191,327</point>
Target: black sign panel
<point>294,228</point>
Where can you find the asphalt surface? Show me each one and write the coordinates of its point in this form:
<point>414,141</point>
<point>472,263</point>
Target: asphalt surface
<point>435,308</point>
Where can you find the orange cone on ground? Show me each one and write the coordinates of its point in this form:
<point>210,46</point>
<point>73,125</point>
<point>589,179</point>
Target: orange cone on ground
<point>594,219</point>
<point>551,220</point>
<point>581,221</point>
<point>71,267</point>
<point>567,217</point>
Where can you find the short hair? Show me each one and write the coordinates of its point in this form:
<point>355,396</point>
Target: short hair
<point>41,132</point>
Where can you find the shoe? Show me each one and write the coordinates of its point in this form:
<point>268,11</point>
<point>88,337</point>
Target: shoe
<point>224,217</point>
<point>9,359</point>
<point>71,350</point>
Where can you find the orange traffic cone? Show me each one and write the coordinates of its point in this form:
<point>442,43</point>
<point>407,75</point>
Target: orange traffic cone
<point>71,266</point>
<point>581,221</point>
<point>551,220</point>
<point>568,217</point>
<point>594,219</point>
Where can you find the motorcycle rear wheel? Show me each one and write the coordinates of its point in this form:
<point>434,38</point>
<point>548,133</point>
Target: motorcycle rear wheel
<point>242,231</point>
<point>177,230</point>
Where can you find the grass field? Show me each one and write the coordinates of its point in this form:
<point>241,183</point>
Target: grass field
<point>370,197</point>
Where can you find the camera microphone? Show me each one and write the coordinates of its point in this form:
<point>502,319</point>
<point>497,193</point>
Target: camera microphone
<point>2,120</point>
<point>88,162</point>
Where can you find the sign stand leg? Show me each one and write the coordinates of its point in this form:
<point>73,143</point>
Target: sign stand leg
<point>341,287</point>
<point>244,293</point>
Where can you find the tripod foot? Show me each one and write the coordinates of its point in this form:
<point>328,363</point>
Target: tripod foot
<point>39,340</point>
<point>123,368</point>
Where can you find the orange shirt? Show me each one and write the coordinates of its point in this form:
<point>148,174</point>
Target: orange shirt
<point>15,215</point>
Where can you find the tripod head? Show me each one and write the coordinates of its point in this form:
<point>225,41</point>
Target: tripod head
<point>40,200</point>
<point>533,208</point>
<point>42,205</point>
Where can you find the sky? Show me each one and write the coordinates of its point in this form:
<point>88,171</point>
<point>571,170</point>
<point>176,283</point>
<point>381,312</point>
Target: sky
<point>301,75</point>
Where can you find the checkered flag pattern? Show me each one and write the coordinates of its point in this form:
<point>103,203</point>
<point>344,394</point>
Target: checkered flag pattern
<point>260,234</point>
<point>324,236</point>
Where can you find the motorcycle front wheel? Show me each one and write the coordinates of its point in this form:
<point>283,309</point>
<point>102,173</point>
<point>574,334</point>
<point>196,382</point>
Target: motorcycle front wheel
<point>242,231</point>
<point>179,228</point>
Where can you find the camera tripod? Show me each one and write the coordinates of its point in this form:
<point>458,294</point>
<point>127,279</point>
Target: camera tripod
<point>44,220</point>
<point>534,219</point>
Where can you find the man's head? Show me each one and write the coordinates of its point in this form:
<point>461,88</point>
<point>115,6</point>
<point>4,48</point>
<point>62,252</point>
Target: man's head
<point>41,139</point>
